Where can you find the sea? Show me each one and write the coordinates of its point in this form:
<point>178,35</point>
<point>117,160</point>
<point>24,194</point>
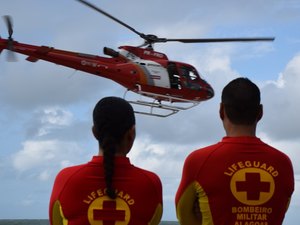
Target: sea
<point>46,222</point>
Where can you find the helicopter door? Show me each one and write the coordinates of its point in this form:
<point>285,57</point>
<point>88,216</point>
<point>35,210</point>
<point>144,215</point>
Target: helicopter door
<point>156,74</point>
<point>174,76</point>
<point>190,77</point>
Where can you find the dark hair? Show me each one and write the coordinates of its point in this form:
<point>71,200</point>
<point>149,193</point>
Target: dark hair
<point>241,100</point>
<point>112,117</point>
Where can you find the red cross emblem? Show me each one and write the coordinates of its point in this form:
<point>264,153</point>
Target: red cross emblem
<point>109,214</point>
<point>253,186</point>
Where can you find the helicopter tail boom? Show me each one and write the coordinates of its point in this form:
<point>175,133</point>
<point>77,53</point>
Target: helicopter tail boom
<point>1,48</point>
<point>106,67</point>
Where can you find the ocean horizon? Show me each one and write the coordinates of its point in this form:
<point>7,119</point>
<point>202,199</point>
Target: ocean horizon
<point>46,222</point>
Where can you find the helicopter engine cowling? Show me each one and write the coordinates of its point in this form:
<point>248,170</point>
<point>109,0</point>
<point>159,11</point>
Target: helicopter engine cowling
<point>110,52</point>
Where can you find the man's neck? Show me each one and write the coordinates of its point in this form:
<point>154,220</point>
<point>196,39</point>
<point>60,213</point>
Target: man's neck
<point>233,130</point>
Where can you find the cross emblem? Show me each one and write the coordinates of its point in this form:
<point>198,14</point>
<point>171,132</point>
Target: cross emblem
<point>109,214</point>
<point>253,186</point>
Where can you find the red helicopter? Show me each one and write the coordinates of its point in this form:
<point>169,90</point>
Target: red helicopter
<point>139,69</point>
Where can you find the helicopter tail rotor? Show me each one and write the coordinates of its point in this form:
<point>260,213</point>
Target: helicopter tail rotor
<point>11,57</point>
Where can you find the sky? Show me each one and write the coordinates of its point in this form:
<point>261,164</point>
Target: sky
<point>46,109</point>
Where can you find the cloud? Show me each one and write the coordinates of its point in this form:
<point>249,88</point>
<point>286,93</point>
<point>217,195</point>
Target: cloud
<point>45,84</point>
<point>289,147</point>
<point>43,159</point>
<point>34,154</point>
<point>157,156</point>
<point>280,99</point>
<point>59,123</point>
<point>51,143</point>
<point>49,119</point>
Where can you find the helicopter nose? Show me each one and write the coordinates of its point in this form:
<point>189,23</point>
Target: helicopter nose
<point>210,91</point>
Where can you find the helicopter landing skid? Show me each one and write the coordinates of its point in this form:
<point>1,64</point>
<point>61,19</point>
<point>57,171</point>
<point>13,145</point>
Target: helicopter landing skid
<point>159,109</point>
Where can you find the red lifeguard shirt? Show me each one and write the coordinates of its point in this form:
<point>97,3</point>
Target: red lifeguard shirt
<point>238,181</point>
<point>79,196</point>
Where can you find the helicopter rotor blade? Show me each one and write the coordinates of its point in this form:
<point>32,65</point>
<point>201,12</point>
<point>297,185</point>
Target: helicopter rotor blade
<point>207,40</point>
<point>151,39</point>
<point>11,56</point>
<point>111,17</point>
<point>9,24</point>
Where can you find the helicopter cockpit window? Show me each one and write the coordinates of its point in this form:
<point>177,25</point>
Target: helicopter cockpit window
<point>189,73</point>
<point>191,77</point>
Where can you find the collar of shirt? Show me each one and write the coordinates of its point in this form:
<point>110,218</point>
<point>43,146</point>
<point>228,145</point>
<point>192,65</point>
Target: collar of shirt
<point>119,160</point>
<point>242,139</point>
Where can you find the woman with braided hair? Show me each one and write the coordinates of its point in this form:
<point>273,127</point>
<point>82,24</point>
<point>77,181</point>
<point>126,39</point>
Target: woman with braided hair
<point>108,190</point>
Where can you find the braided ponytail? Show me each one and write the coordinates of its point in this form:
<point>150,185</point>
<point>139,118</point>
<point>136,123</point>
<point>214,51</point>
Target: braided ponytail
<point>112,117</point>
<point>109,150</point>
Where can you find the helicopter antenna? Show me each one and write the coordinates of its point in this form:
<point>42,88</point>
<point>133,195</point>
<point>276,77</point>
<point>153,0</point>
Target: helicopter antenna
<point>150,39</point>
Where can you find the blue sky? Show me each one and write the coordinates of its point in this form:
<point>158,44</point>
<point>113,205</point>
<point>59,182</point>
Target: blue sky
<point>46,109</point>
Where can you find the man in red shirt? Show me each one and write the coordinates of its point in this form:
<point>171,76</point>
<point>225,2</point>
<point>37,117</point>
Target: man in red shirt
<point>240,180</point>
<point>108,190</point>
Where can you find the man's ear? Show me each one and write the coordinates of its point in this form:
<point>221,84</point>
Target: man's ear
<point>260,112</point>
<point>221,111</point>
<point>95,133</point>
